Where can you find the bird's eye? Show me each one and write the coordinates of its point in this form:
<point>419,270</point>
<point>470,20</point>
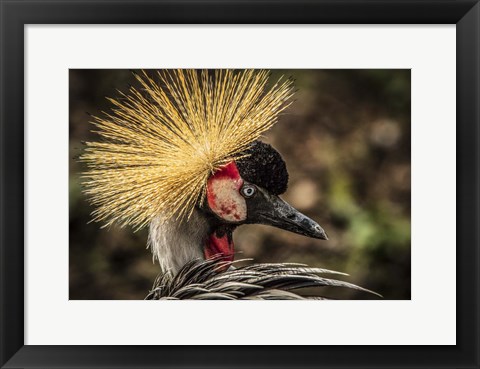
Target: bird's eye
<point>248,191</point>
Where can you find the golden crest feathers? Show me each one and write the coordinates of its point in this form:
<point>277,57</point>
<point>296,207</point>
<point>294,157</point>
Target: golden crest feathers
<point>160,143</point>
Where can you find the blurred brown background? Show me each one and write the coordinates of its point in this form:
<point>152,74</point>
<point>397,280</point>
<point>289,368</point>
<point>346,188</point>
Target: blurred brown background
<point>346,142</point>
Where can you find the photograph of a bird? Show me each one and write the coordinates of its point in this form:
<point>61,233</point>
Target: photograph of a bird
<point>182,155</point>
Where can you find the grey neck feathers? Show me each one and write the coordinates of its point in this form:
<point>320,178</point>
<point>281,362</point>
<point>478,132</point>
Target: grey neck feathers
<point>174,243</point>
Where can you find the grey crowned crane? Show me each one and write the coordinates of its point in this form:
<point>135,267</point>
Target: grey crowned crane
<point>182,155</point>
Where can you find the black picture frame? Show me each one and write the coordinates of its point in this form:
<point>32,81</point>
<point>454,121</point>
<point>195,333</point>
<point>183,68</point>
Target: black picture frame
<point>15,14</point>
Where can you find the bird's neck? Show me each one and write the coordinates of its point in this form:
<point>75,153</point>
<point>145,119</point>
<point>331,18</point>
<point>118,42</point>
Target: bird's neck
<point>175,242</point>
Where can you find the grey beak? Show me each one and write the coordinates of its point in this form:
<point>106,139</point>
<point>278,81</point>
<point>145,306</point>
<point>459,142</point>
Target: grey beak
<point>272,210</point>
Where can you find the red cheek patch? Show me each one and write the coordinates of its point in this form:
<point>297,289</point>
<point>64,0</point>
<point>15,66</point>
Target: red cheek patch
<point>223,194</point>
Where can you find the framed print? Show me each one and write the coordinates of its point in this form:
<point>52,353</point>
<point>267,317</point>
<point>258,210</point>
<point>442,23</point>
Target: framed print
<point>163,161</point>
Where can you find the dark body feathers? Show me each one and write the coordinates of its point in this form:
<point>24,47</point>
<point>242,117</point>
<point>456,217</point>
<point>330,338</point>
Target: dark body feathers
<point>205,280</point>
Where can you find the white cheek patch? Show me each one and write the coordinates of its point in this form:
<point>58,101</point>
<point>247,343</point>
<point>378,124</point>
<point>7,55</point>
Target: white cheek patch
<point>225,200</point>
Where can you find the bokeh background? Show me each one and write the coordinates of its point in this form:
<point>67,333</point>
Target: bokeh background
<point>346,142</point>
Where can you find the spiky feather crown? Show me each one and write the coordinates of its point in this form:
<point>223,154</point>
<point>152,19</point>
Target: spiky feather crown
<point>163,141</point>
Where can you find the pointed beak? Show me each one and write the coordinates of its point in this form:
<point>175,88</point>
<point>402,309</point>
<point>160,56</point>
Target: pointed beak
<point>272,210</point>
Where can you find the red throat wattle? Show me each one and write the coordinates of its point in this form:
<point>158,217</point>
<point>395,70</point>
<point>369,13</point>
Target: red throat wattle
<point>219,245</point>
<point>225,201</point>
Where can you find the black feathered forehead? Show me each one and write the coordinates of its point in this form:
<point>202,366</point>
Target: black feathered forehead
<point>264,167</point>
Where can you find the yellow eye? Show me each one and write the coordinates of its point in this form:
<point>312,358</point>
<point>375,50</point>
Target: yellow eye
<point>248,191</point>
